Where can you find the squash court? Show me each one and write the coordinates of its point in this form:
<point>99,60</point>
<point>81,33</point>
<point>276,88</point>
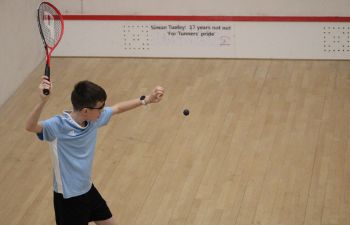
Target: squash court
<point>266,142</point>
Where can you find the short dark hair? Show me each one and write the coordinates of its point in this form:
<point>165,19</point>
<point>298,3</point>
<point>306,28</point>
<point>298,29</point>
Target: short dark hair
<point>86,94</point>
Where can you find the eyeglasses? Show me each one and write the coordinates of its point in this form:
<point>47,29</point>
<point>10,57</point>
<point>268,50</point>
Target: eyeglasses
<point>99,108</point>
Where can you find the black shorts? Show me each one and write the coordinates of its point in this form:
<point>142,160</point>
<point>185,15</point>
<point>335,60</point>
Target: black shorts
<point>82,209</point>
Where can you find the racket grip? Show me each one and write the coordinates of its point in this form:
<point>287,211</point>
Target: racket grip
<point>47,73</point>
<point>46,91</point>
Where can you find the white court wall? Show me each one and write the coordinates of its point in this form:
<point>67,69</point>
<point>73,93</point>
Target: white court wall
<point>21,47</point>
<point>206,39</point>
<point>250,39</point>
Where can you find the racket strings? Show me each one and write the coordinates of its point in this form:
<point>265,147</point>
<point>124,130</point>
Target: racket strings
<point>50,24</point>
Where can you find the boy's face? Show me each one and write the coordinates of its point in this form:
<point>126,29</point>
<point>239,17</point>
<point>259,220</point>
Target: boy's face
<point>93,113</point>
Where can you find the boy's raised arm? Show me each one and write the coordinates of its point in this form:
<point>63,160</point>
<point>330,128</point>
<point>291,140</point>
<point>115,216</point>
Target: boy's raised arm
<point>154,97</point>
<point>32,124</point>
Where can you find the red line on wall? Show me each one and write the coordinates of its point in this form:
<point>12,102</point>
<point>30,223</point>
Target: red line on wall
<point>211,18</point>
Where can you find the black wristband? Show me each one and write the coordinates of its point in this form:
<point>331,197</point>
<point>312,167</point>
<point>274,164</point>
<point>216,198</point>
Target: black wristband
<point>143,100</point>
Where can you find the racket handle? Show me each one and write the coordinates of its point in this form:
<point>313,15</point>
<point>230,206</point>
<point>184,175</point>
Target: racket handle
<point>46,91</point>
<point>47,73</point>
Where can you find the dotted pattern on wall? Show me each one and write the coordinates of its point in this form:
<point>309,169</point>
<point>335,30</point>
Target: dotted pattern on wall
<point>136,37</point>
<point>336,39</point>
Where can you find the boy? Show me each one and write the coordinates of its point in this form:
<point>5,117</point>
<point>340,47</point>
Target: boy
<point>72,138</point>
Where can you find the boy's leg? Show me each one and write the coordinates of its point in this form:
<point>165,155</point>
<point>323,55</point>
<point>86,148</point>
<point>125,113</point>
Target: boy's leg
<point>81,209</point>
<point>110,221</point>
<point>100,214</point>
<point>71,211</point>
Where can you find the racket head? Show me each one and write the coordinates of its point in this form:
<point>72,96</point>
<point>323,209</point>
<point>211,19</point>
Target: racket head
<point>51,26</point>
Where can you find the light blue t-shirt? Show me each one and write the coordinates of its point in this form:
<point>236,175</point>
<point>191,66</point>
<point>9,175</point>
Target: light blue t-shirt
<point>72,148</point>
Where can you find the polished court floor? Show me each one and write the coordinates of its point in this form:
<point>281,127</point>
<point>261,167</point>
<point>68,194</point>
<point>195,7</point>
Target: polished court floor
<point>266,143</point>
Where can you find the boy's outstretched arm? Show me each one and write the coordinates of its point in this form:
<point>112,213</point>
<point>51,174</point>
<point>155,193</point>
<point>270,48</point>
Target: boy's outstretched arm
<point>32,124</point>
<point>154,97</point>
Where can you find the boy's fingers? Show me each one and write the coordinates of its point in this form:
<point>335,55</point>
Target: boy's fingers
<point>159,90</point>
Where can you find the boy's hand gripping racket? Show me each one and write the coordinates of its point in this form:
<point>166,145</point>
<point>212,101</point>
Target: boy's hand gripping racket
<point>51,29</point>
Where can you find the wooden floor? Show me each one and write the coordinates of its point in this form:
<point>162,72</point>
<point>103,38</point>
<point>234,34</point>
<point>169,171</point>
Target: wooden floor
<point>266,143</point>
